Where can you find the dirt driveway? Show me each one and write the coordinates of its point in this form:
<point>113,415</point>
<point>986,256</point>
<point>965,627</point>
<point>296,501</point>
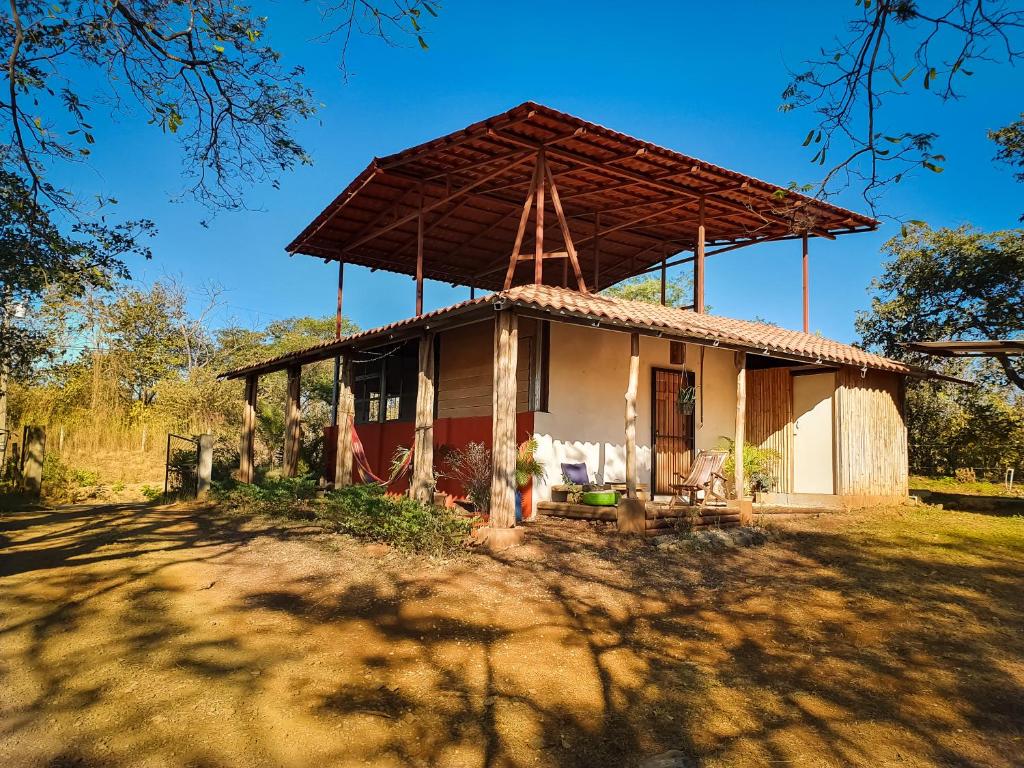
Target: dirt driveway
<point>139,636</point>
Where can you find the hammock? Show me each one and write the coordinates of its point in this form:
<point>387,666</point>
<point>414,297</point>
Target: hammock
<point>363,464</point>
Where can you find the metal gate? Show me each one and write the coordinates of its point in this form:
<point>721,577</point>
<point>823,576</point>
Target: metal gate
<point>181,477</point>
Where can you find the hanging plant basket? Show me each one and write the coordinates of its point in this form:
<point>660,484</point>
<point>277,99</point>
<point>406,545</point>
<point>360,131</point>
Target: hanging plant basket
<point>686,397</point>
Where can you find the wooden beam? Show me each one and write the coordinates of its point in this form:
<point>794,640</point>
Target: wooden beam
<point>597,251</point>
<point>656,182</point>
<point>631,389</point>
<point>524,217</point>
<point>293,422</point>
<point>566,234</point>
<point>421,487</point>
<point>807,313</point>
<point>346,416</point>
<point>741,420</point>
<point>503,430</point>
<point>247,453</point>
<point>427,209</point>
<point>698,263</point>
<point>538,265</point>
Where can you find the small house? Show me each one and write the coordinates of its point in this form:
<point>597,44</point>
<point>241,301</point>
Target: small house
<point>537,212</point>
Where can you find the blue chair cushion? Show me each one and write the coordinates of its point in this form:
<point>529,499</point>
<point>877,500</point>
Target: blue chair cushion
<point>576,473</point>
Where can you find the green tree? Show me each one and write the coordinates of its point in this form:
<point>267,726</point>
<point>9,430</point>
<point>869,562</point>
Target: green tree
<point>678,290</point>
<point>1010,143</point>
<point>949,284</point>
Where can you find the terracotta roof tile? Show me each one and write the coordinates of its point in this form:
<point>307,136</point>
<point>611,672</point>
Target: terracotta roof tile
<point>745,334</point>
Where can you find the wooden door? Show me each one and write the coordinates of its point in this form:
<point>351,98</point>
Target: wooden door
<point>812,433</point>
<point>673,430</point>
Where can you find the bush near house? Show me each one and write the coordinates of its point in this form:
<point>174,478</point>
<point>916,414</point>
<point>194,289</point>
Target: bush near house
<point>364,511</point>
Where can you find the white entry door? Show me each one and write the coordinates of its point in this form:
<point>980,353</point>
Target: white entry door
<point>812,433</point>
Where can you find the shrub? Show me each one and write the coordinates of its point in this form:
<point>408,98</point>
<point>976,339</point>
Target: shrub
<point>471,468</point>
<point>758,466</point>
<point>363,511</point>
<point>366,512</point>
<point>965,475</point>
<point>152,493</point>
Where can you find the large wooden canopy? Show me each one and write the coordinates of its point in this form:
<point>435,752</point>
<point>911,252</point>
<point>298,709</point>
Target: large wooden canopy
<point>462,203</point>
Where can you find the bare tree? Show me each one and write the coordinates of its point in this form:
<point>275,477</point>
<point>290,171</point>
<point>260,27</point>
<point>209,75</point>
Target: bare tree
<point>891,49</point>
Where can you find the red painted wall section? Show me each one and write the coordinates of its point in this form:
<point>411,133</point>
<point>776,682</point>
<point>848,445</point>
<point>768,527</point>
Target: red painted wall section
<point>381,440</point>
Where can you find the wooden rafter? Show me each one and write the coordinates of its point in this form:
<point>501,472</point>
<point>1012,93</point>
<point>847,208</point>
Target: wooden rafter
<point>524,217</point>
<point>566,234</point>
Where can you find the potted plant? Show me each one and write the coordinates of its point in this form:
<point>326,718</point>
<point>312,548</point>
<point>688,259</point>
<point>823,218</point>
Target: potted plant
<point>527,468</point>
<point>685,399</point>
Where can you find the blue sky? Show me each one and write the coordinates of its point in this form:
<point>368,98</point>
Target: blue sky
<point>703,79</point>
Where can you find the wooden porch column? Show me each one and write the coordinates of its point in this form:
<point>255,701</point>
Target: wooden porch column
<point>422,484</point>
<point>292,423</point>
<point>631,388</point>
<point>503,436</point>
<point>807,312</point>
<point>246,461</point>
<point>346,414</point>
<point>698,263</point>
<point>741,420</point>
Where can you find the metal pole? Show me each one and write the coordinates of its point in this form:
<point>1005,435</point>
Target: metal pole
<point>807,313</point>
<point>337,358</point>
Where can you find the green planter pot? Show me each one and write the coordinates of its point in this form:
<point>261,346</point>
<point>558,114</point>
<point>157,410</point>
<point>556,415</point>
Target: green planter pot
<point>600,498</point>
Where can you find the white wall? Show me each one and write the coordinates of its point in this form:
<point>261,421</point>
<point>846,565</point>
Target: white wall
<point>585,421</point>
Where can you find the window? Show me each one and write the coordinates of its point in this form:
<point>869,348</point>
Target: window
<point>676,353</point>
<point>384,384</point>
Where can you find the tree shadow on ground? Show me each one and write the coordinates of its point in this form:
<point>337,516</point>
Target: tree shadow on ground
<point>188,638</point>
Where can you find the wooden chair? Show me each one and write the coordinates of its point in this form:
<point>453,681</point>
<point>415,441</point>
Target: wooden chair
<point>705,475</point>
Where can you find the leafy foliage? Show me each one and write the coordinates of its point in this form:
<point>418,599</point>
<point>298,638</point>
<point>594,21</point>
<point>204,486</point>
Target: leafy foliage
<point>363,511</point>
<point>758,466</point>
<point>1010,143</point>
<point>527,465</point>
<point>678,290</point>
<point>949,284</point>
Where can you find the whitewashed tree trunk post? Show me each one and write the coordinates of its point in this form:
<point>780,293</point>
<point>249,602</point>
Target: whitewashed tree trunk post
<point>247,453</point>
<point>422,485</point>
<point>503,448</point>
<point>741,420</point>
<point>346,416</point>
<point>293,423</point>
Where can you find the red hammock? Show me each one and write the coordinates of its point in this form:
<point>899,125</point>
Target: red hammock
<point>363,465</point>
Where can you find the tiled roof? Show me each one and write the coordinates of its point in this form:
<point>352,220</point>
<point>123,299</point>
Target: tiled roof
<point>755,337</point>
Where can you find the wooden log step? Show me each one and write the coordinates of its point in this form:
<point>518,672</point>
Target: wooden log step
<point>576,511</point>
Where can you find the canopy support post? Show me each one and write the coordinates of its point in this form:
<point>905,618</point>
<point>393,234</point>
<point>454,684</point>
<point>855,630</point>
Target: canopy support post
<point>698,262</point>
<point>538,252</point>
<point>570,248</point>
<point>807,311</point>
<point>419,257</point>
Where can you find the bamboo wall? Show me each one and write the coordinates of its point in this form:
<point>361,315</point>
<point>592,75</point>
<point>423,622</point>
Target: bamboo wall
<point>770,419</point>
<point>870,434</point>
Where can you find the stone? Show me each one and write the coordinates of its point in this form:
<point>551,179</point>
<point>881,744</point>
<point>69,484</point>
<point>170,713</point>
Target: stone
<point>674,758</point>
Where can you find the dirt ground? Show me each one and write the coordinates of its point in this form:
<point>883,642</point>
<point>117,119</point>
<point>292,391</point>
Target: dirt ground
<point>141,636</point>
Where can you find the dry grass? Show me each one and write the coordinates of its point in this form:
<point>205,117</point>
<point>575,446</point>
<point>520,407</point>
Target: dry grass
<point>180,637</point>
